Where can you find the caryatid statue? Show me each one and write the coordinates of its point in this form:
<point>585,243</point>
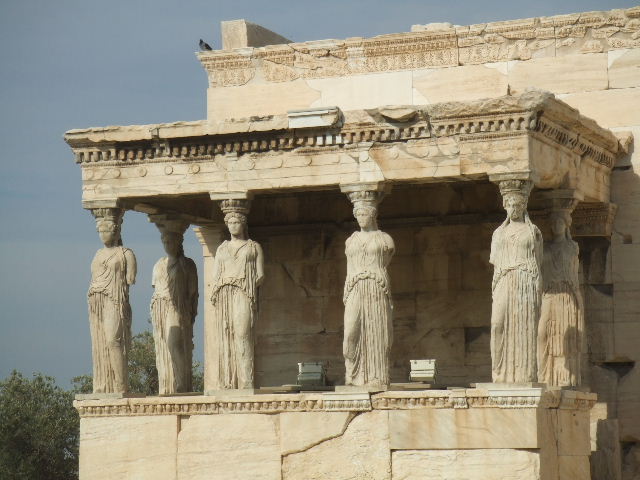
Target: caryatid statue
<point>174,307</point>
<point>516,255</point>
<point>113,269</point>
<point>368,306</point>
<point>238,271</point>
<point>561,329</point>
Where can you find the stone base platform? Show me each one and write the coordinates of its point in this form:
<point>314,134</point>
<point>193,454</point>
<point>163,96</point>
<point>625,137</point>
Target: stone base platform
<point>475,434</point>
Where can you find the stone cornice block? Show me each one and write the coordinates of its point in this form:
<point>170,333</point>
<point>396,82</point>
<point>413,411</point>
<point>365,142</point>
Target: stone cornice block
<point>532,135</point>
<point>435,45</point>
<point>315,117</point>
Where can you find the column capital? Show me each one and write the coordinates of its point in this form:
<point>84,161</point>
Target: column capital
<point>108,217</point>
<point>559,199</point>
<point>210,237</point>
<point>238,195</point>
<point>169,222</point>
<point>365,193</point>
<point>106,203</point>
<point>382,187</point>
<point>498,178</point>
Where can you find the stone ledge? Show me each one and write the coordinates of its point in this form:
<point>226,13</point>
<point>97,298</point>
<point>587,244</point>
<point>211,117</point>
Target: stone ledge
<point>338,402</point>
<point>522,39</point>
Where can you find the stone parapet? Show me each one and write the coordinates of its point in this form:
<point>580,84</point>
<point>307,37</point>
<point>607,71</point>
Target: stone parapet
<point>523,39</point>
<point>331,402</point>
<point>543,434</point>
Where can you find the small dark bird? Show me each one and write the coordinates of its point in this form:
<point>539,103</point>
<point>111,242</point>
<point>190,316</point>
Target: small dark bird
<point>204,45</point>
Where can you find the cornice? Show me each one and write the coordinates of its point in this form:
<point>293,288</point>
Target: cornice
<point>424,47</point>
<point>392,400</point>
<point>533,113</point>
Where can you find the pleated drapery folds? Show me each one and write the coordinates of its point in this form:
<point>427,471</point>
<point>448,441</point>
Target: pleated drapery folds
<point>368,319</point>
<point>516,254</point>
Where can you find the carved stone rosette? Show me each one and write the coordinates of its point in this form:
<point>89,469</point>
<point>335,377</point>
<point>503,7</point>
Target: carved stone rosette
<point>516,255</point>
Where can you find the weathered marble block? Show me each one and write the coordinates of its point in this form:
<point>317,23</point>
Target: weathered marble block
<point>533,433</point>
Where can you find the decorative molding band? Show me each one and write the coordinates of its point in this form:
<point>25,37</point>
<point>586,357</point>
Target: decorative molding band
<point>333,403</point>
<point>593,219</point>
<point>524,39</point>
<point>472,128</point>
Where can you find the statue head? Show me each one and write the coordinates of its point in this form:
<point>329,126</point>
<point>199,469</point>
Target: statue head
<point>237,224</point>
<point>235,217</point>
<point>515,194</point>
<point>109,233</point>
<point>366,216</point>
<point>108,222</point>
<point>515,205</point>
<point>365,208</point>
<point>172,243</point>
<point>560,223</point>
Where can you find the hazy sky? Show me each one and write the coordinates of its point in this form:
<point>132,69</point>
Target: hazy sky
<point>76,63</point>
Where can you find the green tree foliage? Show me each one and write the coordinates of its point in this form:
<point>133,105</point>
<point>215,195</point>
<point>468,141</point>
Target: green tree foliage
<point>38,429</point>
<point>143,375</point>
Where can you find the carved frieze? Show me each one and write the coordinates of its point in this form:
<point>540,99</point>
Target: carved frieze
<point>391,400</point>
<point>589,32</point>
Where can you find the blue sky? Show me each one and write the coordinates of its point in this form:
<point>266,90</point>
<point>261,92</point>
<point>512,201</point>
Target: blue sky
<point>78,63</point>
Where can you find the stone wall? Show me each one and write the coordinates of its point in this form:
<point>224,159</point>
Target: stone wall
<point>440,277</point>
<point>475,434</point>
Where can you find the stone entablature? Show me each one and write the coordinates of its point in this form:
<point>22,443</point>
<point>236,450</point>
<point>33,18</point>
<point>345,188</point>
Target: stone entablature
<point>533,135</point>
<point>427,47</point>
<point>338,402</point>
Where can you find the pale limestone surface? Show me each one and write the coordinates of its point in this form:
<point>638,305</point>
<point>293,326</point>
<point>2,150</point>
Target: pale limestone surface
<point>478,464</point>
<point>453,429</point>
<point>332,435</point>
<point>604,106</point>
<point>623,68</point>
<point>299,431</point>
<point>128,447</point>
<point>469,82</point>
<point>229,447</point>
<point>362,452</point>
<point>240,33</point>
<point>587,72</point>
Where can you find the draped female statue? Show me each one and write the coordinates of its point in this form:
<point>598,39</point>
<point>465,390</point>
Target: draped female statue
<point>174,307</point>
<point>516,255</point>
<point>238,271</point>
<point>368,322</point>
<point>113,269</point>
<point>561,328</point>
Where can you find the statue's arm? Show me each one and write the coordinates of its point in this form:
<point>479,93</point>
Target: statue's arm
<point>154,274</point>
<point>193,288</point>
<point>259,264</point>
<point>391,246</point>
<point>131,266</point>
